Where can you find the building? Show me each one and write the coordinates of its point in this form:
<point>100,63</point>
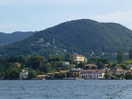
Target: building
<point>66,64</point>
<point>63,71</point>
<point>93,74</point>
<point>120,72</point>
<point>40,77</point>
<point>130,66</point>
<point>18,65</point>
<point>23,74</point>
<point>76,72</point>
<point>50,75</point>
<point>117,70</point>
<point>79,58</point>
<point>91,66</point>
<point>128,72</point>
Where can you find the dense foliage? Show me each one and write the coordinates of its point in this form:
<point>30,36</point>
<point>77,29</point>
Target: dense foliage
<point>10,67</point>
<point>80,36</point>
<point>13,37</point>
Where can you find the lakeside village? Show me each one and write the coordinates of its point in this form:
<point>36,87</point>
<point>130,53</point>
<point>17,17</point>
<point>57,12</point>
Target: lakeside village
<point>74,67</point>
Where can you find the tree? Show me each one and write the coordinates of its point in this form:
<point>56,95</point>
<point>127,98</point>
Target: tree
<point>47,68</point>
<point>130,54</point>
<point>120,76</point>
<point>32,74</point>
<point>36,61</point>
<point>12,73</point>
<point>21,59</point>
<point>55,58</point>
<point>69,74</point>
<point>120,57</point>
<point>100,65</point>
<point>107,75</point>
<point>124,66</point>
<point>128,76</point>
<point>60,75</point>
<point>81,65</point>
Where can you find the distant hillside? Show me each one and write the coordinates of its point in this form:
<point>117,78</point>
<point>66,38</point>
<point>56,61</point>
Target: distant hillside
<point>78,36</point>
<point>13,37</point>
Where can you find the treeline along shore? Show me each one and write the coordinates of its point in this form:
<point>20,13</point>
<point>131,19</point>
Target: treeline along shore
<point>68,66</point>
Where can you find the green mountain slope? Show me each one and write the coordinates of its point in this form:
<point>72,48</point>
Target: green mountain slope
<point>13,37</point>
<point>78,36</point>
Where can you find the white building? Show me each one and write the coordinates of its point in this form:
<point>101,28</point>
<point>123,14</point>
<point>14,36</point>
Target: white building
<point>23,74</point>
<point>93,74</point>
<point>130,66</point>
<point>66,63</point>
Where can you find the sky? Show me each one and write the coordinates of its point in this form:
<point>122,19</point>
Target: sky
<point>36,15</point>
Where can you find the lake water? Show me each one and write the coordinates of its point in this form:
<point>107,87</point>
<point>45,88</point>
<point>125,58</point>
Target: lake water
<point>65,89</point>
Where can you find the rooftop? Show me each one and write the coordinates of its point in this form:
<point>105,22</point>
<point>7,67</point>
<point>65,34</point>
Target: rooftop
<point>93,71</point>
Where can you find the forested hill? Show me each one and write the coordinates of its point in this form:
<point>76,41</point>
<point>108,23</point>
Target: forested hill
<point>13,37</point>
<point>78,36</point>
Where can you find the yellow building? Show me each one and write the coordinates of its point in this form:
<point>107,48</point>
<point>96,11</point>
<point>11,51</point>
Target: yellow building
<point>79,58</point>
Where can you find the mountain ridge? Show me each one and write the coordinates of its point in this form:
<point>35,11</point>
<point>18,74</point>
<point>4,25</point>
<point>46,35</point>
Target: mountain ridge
<point>9,38</point>
<point>78,36</point>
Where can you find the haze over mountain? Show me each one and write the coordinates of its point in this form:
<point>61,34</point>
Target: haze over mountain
<point>13,37</point>
<point>78,36</point>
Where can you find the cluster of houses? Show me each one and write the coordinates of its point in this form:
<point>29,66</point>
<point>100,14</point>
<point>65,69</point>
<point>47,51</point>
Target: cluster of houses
<point>91,71</point>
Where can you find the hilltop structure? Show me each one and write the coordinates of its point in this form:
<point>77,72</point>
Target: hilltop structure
<point>79,58</point>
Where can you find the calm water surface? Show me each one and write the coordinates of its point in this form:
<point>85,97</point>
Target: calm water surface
<point>66,89</point>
